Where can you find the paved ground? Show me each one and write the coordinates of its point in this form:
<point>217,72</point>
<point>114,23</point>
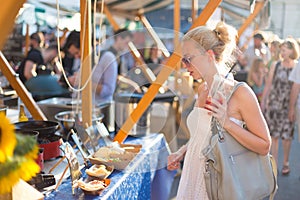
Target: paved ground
<point>288,186</point>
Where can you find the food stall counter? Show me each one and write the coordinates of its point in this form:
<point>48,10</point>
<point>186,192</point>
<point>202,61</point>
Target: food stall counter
<point>146,176</point>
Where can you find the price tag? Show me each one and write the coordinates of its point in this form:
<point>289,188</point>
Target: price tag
<point>72,161</point>
<point>94,135</point>
<point>85,139</point>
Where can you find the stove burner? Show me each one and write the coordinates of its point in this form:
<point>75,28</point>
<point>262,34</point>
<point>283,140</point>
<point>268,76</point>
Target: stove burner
<point>50,145</point>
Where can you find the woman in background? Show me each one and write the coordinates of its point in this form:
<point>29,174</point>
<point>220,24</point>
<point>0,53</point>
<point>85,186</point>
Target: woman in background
<point>257,77</point>
<point>275,101</point>
<point>275,53</point>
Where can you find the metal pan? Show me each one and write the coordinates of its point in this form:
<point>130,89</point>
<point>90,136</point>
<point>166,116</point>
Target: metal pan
<point>45,128</point>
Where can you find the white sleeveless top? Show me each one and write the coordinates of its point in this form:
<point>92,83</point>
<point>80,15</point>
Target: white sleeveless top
<point>192,184</point>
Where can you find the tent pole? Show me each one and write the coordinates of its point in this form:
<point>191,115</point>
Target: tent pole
<point>176,24</point>
<point>21,90</point>
<point>27,40</point>
<point>154,36</point>
<point>110,18</point>
<point>194,9</point>
<point>176,35</point>
<point>206,13</point>
<point>258,6</point>
<point>141,63</point>
<point>9,11</point>
<point>86,43</point>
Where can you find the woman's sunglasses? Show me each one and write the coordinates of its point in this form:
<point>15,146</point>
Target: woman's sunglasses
<point>187,60</point>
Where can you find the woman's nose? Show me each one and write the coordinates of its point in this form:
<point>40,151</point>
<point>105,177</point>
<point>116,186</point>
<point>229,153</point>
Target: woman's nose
<point>183,65</point>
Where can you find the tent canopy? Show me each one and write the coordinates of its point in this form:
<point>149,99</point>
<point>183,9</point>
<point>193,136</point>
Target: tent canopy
<point>131,8</point>
<point>236,11</point>
<point>159,13</point>
<point>44,11</point>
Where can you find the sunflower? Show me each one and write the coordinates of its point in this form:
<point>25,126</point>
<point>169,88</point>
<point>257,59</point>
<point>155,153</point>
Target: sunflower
<point>26,146</point>
<point>15,169</point>
<point>7,138</point>
<point>17,156</point>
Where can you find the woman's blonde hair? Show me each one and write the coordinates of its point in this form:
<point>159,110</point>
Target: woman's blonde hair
<point>253,69</point>
<point>276,54</point>
<point>292,44</point>
<point>221,40</point>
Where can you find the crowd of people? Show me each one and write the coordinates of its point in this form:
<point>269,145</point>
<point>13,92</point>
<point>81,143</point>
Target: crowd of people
<point>272,68</point>
<point>41,71</point>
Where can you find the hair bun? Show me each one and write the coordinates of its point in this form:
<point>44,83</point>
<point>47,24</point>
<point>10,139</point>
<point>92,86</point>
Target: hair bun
<point>217,32</point>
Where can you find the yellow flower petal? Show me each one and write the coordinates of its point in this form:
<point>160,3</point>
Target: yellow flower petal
<point>15,166</point>
<point>26,170</point>
<point>7,138</point>
<point>6,183</point>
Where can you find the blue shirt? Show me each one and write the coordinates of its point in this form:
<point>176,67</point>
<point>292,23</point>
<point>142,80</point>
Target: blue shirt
<point>105,73</point>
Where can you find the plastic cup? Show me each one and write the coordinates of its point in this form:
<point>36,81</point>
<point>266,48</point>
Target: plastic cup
<point>223,85</point>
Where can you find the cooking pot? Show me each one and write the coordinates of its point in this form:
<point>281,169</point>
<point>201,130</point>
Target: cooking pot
<point>51,147</point>
<point>33,134</point>
<point>67,119</point>
<point>46,138</point>
<point>45,128</point>
<point>126,102</point>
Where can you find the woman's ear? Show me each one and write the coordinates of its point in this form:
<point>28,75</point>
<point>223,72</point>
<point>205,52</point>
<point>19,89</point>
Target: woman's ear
<point>211,54</point>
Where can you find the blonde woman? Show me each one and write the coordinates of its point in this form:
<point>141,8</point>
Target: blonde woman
<point>205,53</point>
<point>257,77</point>
<point>275,101</point>
<point>275,52</point>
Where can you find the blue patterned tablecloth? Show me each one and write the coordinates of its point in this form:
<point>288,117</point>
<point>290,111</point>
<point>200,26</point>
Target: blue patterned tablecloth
<point>146,177</point>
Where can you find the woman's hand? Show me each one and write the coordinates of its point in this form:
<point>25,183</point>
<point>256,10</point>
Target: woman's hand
<point>218,108</point>
<point>263,104</point>
<point>74,79</point>
<point>174,161</point>
<point>202,95</point>
<point>175,158</point>
<point>292,115</point>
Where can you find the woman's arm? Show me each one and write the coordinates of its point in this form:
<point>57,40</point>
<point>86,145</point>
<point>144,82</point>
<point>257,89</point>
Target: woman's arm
<point>256,137</point>
<point>174,159</point>
<point>293,99</point>
<point>29,69</point>
<point>268,85</point>
<point>244,106</point>
<point>57,67</point>
<point>257,78</point>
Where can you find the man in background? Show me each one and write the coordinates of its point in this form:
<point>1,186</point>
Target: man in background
<point>121,39</point>
<point>258,50</point>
